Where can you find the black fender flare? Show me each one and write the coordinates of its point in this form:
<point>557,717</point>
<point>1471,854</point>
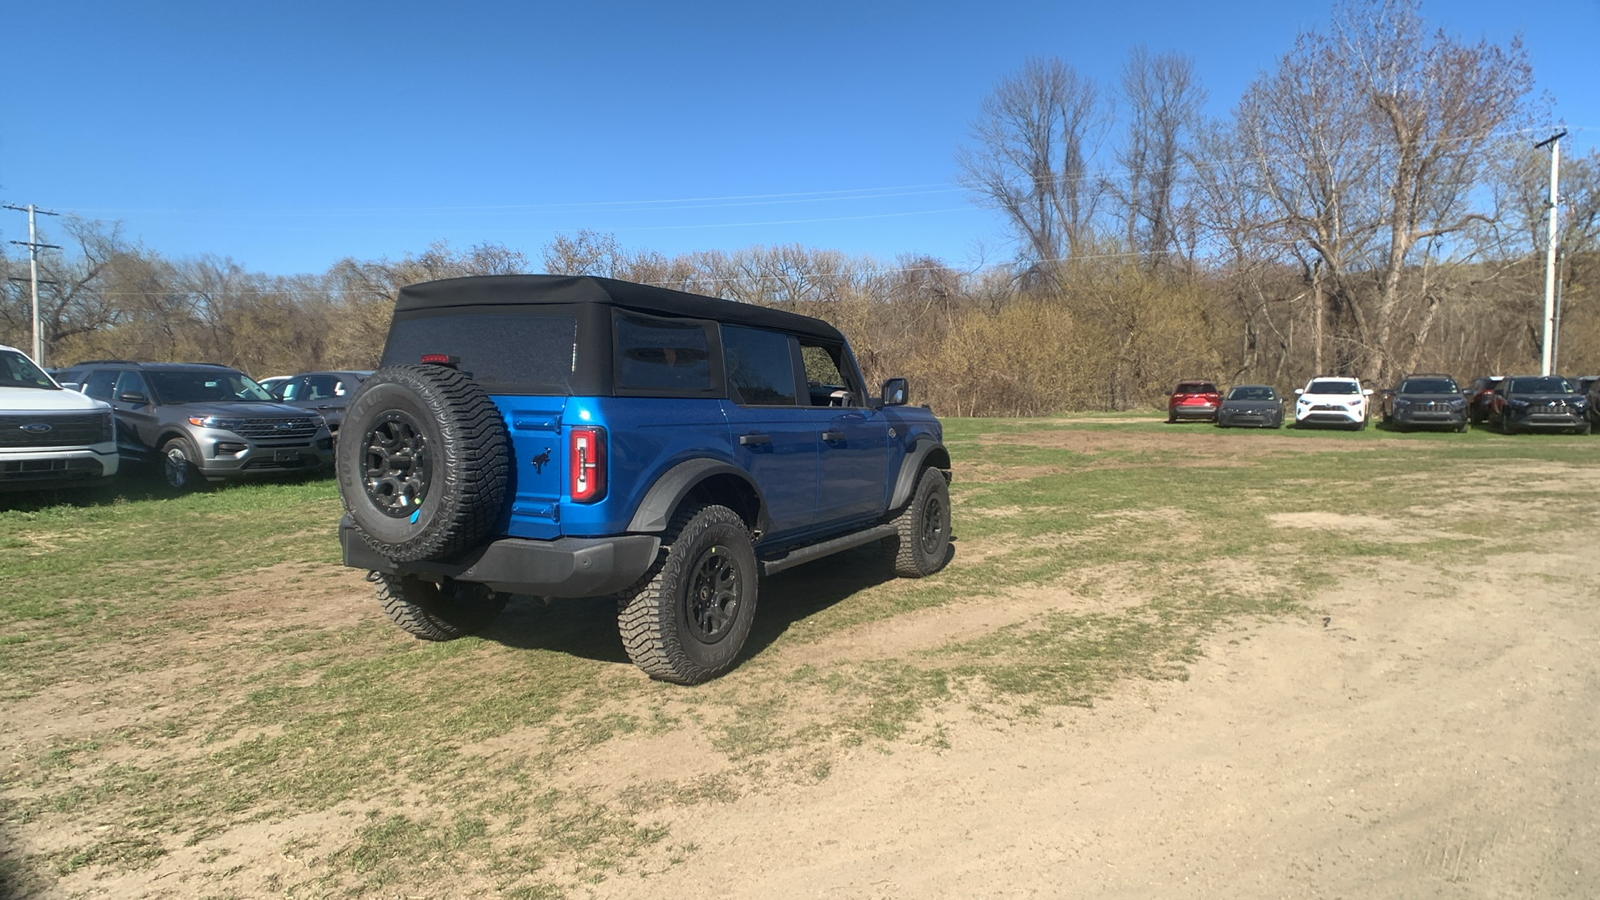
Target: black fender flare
<point>923,453</point>
<point>659,503</point>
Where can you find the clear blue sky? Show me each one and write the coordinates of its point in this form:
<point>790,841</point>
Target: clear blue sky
<point>287,135</point>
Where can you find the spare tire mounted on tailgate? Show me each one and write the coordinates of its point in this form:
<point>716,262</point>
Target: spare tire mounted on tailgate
<point>423,462</point>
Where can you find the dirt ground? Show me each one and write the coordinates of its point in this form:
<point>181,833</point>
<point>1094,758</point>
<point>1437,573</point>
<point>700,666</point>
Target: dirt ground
<point>1416,733</point>
<point>1419,737</point>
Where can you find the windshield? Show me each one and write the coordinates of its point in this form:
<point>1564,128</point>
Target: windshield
<point>1196,387</point>
<point>1333,387</point>
<point>204,385</point>
<point>1544,384</point>
<point>1428,386</point>
<point>18,371</point>
<point>1252,393</point>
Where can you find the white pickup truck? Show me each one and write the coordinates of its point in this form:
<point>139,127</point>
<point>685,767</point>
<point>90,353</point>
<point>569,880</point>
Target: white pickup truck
<point>50,437</point>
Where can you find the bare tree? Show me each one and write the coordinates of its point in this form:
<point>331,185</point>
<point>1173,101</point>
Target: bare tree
<point>73,300</point>
<point>1163,97</point>
<point>1370,141</point>
<point>1035,135</point>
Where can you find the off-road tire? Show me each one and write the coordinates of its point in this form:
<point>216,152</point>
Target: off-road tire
<point>434,613</point>
<point>424,440</point>
<point>688,618</point>
<point>922,539</point>
<point>178,467</point>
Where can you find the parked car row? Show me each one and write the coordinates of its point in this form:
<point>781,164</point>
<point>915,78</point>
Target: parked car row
<point>191,422</point>
<point>1325,400</point>
<point>1508,403</point>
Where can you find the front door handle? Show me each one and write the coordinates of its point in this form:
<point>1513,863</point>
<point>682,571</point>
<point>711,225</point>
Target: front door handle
<point>753,440</point>
<point>832,436</point>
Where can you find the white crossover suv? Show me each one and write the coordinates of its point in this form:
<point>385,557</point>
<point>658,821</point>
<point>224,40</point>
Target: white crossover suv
<point>50,437</point>
<point>1331,400</point>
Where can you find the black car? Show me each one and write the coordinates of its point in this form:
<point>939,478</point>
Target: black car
<point>201,421</point>
<point>1539,403</point>
<point>1253,405</point>
<point>325,393</point>
<point>1425,401</point>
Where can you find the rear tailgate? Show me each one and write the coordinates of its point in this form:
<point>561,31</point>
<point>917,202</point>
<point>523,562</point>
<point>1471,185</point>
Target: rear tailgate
<point>537,459</point>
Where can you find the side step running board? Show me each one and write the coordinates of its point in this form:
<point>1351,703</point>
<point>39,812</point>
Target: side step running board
<point>817,551</point>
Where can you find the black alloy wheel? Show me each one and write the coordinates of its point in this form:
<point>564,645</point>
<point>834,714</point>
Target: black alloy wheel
<point>395,464</point>
<point>713,595</point>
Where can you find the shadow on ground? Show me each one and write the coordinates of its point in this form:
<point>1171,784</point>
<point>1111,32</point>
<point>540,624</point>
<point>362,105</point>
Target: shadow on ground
<point>587,627</point>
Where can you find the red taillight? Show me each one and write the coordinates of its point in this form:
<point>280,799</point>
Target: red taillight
<point>586,463</point>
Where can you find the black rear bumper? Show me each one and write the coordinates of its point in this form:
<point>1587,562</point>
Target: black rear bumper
<point>565,567</point>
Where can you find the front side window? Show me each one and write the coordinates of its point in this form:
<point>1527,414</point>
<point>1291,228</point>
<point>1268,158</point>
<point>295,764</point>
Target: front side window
<point>760,367</point>
<point>826,378</point>
<point>101,384</point>
<point>662,355</point>
<point>131,382</point>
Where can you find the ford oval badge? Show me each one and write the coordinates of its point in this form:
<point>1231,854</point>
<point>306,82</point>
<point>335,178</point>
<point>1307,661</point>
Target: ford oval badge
<point>37,428</point>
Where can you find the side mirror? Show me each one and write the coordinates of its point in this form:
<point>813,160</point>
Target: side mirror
<point>1299,391</point>
<point>895,392</point>
<point>132,397</point>
<point>1366,392</point>
<point>71,386</point>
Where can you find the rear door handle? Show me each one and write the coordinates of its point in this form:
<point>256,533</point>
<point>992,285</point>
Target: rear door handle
<point>752,440</point>
<point>832,436</point>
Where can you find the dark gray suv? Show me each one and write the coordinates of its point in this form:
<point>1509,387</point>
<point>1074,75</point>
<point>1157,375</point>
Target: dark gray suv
<point>202,421</point>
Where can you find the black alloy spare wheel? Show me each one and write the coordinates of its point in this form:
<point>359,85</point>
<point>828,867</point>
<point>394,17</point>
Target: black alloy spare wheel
<point>395,465</point>
<point>425,461</point>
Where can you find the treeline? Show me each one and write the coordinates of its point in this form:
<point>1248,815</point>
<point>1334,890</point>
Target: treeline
<point>1372,206</point>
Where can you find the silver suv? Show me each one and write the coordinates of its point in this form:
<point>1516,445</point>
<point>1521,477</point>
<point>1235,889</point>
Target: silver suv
<point>202,421</point>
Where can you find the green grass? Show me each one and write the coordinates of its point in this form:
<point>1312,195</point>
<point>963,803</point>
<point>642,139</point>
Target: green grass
<point>183,667</point>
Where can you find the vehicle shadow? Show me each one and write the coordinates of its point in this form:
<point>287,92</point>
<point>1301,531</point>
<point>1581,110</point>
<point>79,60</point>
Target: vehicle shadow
<point>140,483</point>
<point>587,627</point>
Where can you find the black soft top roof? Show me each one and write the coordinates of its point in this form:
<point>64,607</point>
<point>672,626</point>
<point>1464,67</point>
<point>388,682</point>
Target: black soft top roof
<point>530,290</point>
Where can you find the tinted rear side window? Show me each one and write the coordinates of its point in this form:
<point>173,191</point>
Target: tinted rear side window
<point>512,353</point>
<point>760,367</point>
<point>663,356</point>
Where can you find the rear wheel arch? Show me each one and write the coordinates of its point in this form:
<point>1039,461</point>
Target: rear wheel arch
<point>700,481</point>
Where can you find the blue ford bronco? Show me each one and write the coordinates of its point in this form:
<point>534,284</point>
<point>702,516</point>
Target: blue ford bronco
<point>585,437</point>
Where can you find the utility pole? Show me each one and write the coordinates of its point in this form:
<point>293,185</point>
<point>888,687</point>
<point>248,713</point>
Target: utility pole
<point>33,245</point>
<point>1548,350</point>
